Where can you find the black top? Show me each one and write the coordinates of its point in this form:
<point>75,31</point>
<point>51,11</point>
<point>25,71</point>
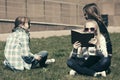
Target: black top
<point>105,33</point>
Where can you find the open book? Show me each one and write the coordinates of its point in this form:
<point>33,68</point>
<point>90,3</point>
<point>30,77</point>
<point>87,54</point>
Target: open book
<point>83,38</point>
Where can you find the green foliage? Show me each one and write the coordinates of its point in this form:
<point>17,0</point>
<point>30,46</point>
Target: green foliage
<point>58,48</point>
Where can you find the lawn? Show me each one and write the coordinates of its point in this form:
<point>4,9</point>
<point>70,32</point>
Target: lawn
<point>58,48</point>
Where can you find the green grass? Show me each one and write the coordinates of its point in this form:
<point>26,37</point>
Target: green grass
<point>58,48</point>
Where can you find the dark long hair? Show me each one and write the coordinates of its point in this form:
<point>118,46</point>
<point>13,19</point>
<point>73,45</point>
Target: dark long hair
<point>21,20</point>
<point>92,11</point>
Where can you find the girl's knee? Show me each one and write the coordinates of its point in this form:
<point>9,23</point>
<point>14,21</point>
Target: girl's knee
<point>43,53</point>
<point>70,63</point>
<point>105,62</point>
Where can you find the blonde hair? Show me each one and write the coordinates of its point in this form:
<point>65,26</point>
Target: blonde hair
<point>98,34</point>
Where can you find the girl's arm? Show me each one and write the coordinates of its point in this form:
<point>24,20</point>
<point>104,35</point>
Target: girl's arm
<point>103,46</point>
<point>76,49</point>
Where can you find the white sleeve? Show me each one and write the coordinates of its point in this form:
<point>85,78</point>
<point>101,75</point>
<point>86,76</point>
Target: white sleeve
<point>103,46</point>
<point>78,52</point>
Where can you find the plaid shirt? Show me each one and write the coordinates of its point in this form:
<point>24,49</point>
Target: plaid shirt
<point>17,46</point>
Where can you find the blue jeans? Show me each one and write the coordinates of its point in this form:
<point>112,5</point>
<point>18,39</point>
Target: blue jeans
<point>82,66</point>
<point>30,60</point>
<point>41,62</point>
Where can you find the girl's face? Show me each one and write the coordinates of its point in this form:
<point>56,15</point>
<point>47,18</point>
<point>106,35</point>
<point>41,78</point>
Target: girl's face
<point>90,27</point>
<point>88,13</point>
<point>26,26</point>
<point>88,16</point>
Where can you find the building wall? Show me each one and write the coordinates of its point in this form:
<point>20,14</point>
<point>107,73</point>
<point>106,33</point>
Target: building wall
<point>58,11</point>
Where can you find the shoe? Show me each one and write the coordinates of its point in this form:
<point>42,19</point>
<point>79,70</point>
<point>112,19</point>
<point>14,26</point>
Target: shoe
<point>72,72</point>
<point>102,73</point>
<point>7,66</point>
<point>5,62</point>
<point>48,61</point>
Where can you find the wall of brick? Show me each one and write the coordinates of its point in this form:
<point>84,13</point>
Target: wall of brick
<point>2,9</point>
<point>58,11</point>
<point>6,27</point>
<point>15,8</point>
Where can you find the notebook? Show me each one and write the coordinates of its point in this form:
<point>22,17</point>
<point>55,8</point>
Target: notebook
<point>81,37</point>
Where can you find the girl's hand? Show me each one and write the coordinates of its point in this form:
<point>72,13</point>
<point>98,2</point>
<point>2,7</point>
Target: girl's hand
<point>37,57</point>
<point>76,45</point>
<point>93,41</point>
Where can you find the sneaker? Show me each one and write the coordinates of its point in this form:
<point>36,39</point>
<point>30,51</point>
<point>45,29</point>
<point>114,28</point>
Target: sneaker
<point>72,72</point>
<point>7,66</point>
<point>5,62</point>
<point>48,61</point>
<point>102,73</point>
